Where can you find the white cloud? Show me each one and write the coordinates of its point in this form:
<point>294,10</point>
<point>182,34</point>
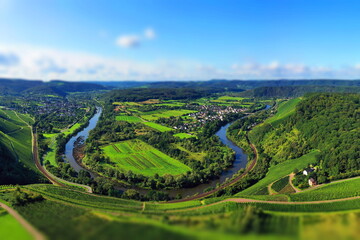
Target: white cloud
<point>132,41</point>
<point>128,41</point>
<point>276,70</point>
<point>149,33</point>
<point>33,62</point>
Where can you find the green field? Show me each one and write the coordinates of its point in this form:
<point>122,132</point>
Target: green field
<point>284,110</point>
<point>141,158</point>
<point>183,135</point>
<point>16,135</point>
<point>154,115</point>
<point>342,189</point>
<point>158,127</point>
<point>50,154</point>
<point>11,229</point>
<point>279,171</point>
<point>131,119</point>
<point>72,129</point>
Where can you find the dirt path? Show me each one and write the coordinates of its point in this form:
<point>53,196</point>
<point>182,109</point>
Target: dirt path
<point>291,177</point>
<point>270,190</point>
<point>33,231</point>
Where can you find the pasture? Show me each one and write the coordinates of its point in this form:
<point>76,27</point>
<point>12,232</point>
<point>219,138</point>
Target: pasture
<point>141,158</point>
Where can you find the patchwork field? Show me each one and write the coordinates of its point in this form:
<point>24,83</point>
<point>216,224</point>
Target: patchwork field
<point>139,157</point>
<point>154,115</point>
<point>131,119</point>
<point>158,127</point>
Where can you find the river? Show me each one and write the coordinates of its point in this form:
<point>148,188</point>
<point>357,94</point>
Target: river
<point>84,133</point>
<point>239,162</point>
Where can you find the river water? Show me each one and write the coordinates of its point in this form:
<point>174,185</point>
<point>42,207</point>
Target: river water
<point>239,162</point>
<point>84,133</point>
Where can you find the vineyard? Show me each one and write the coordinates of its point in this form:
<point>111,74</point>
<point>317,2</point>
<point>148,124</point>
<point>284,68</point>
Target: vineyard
<point>140,157</point>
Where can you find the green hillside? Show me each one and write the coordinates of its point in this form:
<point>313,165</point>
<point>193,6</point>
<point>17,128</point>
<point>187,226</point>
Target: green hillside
<point>16,149</point>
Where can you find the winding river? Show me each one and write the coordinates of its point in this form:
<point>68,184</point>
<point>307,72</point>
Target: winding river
<point>239,162</point>
<point>84,133</point>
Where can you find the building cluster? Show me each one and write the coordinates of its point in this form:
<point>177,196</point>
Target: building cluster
<point>205,114</point>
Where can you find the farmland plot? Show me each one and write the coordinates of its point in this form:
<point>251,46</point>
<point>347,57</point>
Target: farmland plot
<point>141,158</point>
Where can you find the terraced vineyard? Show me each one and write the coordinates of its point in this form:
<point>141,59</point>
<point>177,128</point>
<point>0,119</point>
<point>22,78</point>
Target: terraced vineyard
<point>16,135</point>
<point>140,157</point>
<point>335,190</point>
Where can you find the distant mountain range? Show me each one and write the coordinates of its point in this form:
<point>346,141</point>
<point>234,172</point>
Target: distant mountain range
<point>56,87</point>
<point>250,88</point>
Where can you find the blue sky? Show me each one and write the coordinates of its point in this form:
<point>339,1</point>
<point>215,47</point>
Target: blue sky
<point>179,39</point>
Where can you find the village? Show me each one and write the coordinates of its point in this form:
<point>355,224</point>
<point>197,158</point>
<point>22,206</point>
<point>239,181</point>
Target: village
<point>205,114</point>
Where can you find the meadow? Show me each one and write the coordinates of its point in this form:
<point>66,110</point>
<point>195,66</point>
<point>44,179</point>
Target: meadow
<point>139,157</point>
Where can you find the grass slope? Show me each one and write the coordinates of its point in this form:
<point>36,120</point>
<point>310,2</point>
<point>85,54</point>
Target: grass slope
<point>285,109</point>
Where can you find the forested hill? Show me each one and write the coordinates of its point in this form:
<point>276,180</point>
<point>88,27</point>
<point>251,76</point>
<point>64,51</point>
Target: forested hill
<point>142,94</point>
<point>295,91</point>
<point>329,122</point>
<point>230,85</point>
<point>60,88</point>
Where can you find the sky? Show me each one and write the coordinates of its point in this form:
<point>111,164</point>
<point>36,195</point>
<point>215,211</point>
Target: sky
<point>179,39</point>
